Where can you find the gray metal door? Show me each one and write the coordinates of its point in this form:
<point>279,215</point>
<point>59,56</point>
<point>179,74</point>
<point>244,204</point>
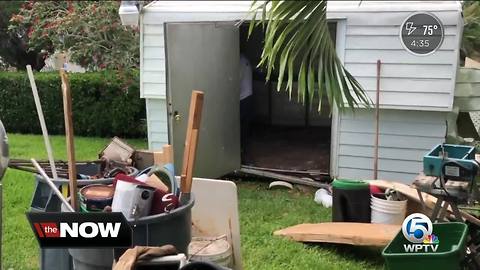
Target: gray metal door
<point>205,56</point>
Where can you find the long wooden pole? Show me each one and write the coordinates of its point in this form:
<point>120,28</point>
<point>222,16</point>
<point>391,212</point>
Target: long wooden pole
<point>41,118</point>
<point>67,111</point>
<point>191,140</point>
<point>377,122</point>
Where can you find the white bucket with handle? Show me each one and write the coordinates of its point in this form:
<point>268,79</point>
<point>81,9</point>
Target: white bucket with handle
<point>388,212</point>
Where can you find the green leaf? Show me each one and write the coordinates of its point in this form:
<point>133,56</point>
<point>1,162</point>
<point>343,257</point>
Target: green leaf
<point>297,41</point>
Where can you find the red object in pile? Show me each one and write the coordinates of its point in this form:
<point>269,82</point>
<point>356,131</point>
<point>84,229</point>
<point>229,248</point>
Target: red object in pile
<point>161,202</point>
<point>375,190</point>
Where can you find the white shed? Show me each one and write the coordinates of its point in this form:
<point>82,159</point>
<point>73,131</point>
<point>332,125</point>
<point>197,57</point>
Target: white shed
<point>196,45</point>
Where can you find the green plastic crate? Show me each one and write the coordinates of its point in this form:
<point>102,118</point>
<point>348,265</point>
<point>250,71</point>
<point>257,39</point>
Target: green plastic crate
<point>450,253</point>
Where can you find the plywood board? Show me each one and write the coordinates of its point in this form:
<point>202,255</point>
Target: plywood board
<point>215,213</point>
<point>358,234</point>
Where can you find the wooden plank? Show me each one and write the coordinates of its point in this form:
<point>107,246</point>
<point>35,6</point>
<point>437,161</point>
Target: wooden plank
<point>168,153</point>
<point>358,234</point>
<point>307,172</point>
<point>163,157</point>
<point>67,110</point>
<point>158,158</point>
<point>191,141</point>
<point>287,178</point>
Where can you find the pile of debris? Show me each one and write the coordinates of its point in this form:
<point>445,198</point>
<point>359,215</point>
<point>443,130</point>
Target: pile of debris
<point>444,198</point>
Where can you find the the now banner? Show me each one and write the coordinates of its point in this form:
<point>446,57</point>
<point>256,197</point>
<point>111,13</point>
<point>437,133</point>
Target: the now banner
<point>81,230</point>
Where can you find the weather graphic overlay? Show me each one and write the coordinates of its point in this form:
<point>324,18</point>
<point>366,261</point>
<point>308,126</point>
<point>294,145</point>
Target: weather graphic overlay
<point>422,33</point>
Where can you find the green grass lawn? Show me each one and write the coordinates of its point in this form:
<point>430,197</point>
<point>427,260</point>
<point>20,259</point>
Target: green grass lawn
<point>262,211</point>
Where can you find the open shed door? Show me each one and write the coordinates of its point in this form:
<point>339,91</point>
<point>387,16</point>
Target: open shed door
<point>205,56</point>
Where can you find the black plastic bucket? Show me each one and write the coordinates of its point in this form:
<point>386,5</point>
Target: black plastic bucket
<point>44,200</point>
<point>351,201</point>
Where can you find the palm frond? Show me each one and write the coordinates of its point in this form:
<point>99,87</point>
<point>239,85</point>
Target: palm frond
<point>298,45</point>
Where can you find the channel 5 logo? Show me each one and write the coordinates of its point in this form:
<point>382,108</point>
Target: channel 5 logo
<point>418,229</point>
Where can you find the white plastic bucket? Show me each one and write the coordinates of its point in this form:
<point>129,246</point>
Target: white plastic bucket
<point>214,250</point>
<point>388,212</point>
<point>388,204</point>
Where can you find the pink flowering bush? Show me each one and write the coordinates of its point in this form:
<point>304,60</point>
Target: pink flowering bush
<point>90,31</point>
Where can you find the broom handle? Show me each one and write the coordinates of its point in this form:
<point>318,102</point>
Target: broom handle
<point>46,139</point>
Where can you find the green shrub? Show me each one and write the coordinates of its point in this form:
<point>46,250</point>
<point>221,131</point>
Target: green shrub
<point>105,103</point>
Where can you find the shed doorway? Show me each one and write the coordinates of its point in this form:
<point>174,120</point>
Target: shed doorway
<point>280,133</point>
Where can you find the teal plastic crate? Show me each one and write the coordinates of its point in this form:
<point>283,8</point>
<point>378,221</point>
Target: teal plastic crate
<point>449,256</point>
<point>433,161</point>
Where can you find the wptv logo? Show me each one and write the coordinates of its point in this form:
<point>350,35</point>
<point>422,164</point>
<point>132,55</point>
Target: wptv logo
<point>418,229</point>
<point>83,230</point>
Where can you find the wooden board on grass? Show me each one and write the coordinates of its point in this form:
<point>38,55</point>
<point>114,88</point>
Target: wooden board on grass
<point>358,234</point>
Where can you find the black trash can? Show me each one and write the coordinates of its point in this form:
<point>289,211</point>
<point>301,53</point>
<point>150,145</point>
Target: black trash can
<point>44,200</point>
<point>157,230</point>
<point>351,201</point>
<point>174,228</point>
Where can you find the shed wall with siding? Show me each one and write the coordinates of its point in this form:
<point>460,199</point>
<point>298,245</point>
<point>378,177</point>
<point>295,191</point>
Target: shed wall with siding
<point>408,81</point>
<point>405,136</point>
<point>416,91</point>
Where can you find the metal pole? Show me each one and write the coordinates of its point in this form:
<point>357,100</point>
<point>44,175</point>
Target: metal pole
<point>377,122</point>
<point>3,167</point>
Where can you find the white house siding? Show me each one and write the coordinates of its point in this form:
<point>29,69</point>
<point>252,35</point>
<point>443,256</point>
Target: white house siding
<point>408,82</point>
<point>157,128</point>
<point>405,136</point>
<point>372,33</point>
<point>415,90</point>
